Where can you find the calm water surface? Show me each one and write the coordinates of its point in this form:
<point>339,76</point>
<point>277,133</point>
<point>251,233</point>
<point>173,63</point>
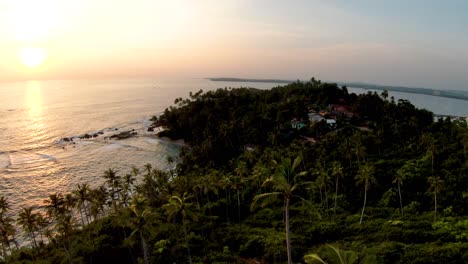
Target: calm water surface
<point>35,116</point>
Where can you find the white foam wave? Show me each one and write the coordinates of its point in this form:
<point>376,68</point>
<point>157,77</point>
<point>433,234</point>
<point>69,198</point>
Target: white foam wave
<point>20,159</point>
<point>4,160</point>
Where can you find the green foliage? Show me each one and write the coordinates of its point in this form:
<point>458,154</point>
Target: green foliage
<point>227,201</point>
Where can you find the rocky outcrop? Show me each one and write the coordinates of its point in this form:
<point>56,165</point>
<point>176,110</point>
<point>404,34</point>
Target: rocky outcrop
<point>124,135</point>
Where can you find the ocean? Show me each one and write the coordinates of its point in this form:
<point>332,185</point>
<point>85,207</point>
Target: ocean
<point>35,116</point>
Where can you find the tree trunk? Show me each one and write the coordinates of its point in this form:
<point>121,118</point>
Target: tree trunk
<point>435,204</point>
<point>336,196</point>
<point>4,252</point>
<point>227,205</point>
<point>401,202</point>
<point>364,206</point>
<point>326,195</point>
<point>288,239</point>
<point>208,203</point>
<point>186,242</point>
<point>82,218</point>
<point>144,247</point>
<point>33,236</point>
<point>321,197</point>
<point>87,214</point>
<point>238,207</point>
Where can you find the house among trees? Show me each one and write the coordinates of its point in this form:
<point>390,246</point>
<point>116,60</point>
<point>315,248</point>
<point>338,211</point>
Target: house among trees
<point>340,109</point>
<point>331,122</point>
<point>297,124</point>
<point>314,117</point>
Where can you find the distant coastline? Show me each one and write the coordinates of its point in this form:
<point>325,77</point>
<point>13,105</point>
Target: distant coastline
<point>453,94</point>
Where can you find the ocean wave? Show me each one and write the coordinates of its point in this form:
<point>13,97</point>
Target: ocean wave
<point>5,160</point>
<point>20,159</point>
<point>114,146</point>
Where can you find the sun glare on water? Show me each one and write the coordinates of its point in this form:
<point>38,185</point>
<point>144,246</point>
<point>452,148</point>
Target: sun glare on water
<point>32,57</point>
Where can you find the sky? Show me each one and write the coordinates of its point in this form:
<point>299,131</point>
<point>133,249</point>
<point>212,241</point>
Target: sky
<point>412,43</point>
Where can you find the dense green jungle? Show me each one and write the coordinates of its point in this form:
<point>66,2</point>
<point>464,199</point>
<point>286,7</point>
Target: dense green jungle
<point>266,177</point>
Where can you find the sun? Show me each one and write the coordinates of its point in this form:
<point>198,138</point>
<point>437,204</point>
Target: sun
<point>32,57</point>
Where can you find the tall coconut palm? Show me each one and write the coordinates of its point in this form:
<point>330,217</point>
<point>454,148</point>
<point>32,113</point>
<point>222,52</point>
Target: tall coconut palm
<point>179,207</point>
<point>399,178</point>
<point>82,195</point>
<point>98,200</point>
<point>28,221</point>
<point>139,217</point>
<point>65,226</point>
<point>435,185</point>
<point>337,172</point>
<point>358,148</point>
<point>322,182</point>
<point>7,230</point>
<point>206,186</point>
<point>42,224</point>
<point>241,171</point>
<point>7,233</point>
<point>284,182</point>
<point>55,205</point>
<point>4,205</point>
<point>365,177</point>
<point>113,180</point>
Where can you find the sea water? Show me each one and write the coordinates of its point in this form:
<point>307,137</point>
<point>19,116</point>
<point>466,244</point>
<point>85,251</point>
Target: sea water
<point>36,116</point>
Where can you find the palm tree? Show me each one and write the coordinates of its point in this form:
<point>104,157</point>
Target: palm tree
<point>358,148</point>
<point>365,176</point>
<point>82,195</point>
<point>114,182</point>
<point>4,205</point>
<point>55,205</point>
<point>28,220</point>
<point>42,225</point>
<point>338,256</point>
<point>65,227</point>
<point>98,200</point>
<point>7,233</point>
<point>7,230</point>
<point>399,178</point>
<point>284,182</point>
<point>127,189</point>
<point>322,182</point>
<point>140,214</point>
<point>241,171</point>
<point>205,186</point>
<point>435,185</point>
<point>178,206</point>
<point>337,172</point>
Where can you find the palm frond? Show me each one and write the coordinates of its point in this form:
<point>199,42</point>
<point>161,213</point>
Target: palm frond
<point>263,196</point>
<point>313,258</point>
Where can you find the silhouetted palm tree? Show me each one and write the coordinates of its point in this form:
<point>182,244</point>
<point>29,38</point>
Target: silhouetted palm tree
<point>285,181</point>
<point>113,181</point>
<point>55,205</point>
<point>82,196</point>
<point>28,221</point>
<point>337,172</point>
<point>435,185</point>
<point>139,217</point>
<point>366,177</point>
<point>179,207</point>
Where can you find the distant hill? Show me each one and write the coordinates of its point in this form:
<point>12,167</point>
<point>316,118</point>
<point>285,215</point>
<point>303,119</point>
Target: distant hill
<point>454,94</point>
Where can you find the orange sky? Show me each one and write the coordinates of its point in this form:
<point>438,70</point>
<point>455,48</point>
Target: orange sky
<point>393,43</point>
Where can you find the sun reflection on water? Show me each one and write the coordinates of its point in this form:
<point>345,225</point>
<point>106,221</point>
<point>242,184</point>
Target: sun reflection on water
<point>36,134</point>
<point>34,99</point>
